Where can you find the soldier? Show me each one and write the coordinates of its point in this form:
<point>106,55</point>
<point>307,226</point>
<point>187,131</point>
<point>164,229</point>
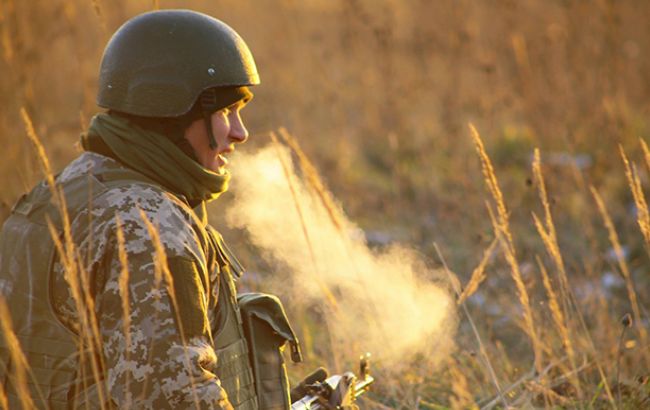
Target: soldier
<point>143,311</point>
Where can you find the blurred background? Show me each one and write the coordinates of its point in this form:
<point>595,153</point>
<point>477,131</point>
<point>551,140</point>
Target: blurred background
<point>379,94</point>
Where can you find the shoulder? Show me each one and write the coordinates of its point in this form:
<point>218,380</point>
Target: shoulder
<point>141,208</point>
<point>136,206</point>
<point>85,164</point>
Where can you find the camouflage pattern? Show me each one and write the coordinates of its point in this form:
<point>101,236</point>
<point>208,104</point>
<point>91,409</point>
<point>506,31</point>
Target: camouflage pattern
<point>154,370</point>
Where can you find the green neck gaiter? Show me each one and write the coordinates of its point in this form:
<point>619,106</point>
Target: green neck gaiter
<point>157,158</point>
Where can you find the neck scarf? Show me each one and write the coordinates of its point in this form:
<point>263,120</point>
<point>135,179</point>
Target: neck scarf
<point>157,158</point>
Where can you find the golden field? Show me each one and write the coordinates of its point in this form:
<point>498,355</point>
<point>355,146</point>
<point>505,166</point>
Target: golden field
<point>551,246</point>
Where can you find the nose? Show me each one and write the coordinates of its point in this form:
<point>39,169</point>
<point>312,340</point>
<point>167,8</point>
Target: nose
<point>238,132</point>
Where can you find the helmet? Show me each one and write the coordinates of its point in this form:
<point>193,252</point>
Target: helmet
<point>158,63</point>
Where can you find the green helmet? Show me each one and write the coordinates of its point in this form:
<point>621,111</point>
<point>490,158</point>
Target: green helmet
<point>158,63</point>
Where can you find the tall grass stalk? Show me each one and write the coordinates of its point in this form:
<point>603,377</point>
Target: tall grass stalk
<point>643,215</point>
<point>547,231</point>
<point>18,359</point>
<point>93,333</point>
<point>69,257</point>
<point>89,304</point>
<point>549,237</point>
<point>462,397</point>
<point>622,264</point>
<point>646,152</point>
<point>626,321</point>
<point>327,293</point>
<point>502,228</point>
<point>7,42</point>
<point>40,151</point>
<point>123,285</point>
<point>338,220</point>
<point>100,15</point>
<point>488,364</point>
<point>560,323</point>
<point>4,404</point>
<point>478,274</point>
<point>163,274</point>
<point>314,179</point>
<point>88,333</point>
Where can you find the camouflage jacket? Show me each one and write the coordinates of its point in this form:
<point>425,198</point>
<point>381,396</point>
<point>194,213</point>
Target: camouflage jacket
<point>146,364</point>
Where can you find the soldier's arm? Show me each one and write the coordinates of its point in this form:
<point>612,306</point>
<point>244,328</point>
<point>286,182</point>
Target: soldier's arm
<point>159,362</point>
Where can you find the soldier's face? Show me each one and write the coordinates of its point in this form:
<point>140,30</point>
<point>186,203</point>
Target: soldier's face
<point>228,129</point>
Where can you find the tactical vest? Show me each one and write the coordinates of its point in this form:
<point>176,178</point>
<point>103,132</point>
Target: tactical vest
<point>233,364</point>
<point>27,255</point>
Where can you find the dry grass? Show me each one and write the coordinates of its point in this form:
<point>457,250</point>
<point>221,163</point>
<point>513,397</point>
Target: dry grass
<point>327,293</point>
<point>487,363</point>
<point>623,266</point>
<point>462,394</point>
<point>634,181</point>
<point>478,274</point>
<point>40,153</point>
<point>4,404</point>
<point>123,285</point>
<point>100,15</point>
<point>377,94</point>
<point>548,234</point>
<point>646,152</point>
<point>328,296</point>
<point>314,179</point>
<point>18,360</point>
<point>560,323</point>
<point>549,237</point>
<point>90,344</point>
<point>502,230</point>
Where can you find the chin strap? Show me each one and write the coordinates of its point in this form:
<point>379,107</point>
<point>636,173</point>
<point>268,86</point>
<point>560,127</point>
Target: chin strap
<point>208,100</point>
<point>208,127</point>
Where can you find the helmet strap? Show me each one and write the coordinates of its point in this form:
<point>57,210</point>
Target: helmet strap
<point>208,126</point>
<point>207,101</point>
